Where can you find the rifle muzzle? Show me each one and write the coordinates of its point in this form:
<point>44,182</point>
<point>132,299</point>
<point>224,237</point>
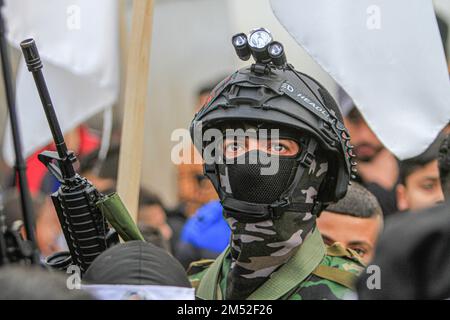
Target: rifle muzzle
<point>31,55</point>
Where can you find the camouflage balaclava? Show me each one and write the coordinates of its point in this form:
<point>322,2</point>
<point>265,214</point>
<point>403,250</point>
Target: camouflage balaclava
<point>260,248</point>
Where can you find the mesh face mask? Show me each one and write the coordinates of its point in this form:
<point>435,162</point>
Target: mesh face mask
<point>259,248</point>
<point>248,182</point>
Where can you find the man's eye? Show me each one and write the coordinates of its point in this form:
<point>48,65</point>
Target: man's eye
<point>360,251</point>
<point>428,186</point>
<point>234,147</point>
<point>277,147</point>
<point>328,242</point>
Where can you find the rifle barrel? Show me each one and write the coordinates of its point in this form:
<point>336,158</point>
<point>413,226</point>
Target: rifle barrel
<point>34,64</point>
<point>27,208</point>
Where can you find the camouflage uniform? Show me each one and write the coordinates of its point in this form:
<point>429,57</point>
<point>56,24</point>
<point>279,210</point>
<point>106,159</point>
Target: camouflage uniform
<point>331,279</point>
<point>259,249</point>
<point>275,251</point>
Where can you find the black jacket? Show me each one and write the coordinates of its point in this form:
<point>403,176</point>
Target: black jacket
<point>413,254</point>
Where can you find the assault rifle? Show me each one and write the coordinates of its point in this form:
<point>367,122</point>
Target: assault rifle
<point>85,227</point>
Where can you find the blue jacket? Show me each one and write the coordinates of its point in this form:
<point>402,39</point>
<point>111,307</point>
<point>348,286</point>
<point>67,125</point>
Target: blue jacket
<point>207,229</point>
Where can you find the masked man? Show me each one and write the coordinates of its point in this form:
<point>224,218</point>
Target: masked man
<point>275,251</point>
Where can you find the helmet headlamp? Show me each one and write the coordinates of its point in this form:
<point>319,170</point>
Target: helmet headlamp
<point>261,46</point>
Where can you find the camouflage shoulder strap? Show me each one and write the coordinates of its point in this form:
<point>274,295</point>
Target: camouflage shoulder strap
<point>338,250</point>
<point>208,286</point>
<point>198,266</point>
<point>196,271</point>
<point>295,271</point>
<point>342,277</point>
<point>289,276</point>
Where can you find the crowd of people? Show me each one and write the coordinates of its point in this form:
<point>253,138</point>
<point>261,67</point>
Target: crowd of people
<point>383,191</point>
<point>307,231</point>
<point>382,194</point>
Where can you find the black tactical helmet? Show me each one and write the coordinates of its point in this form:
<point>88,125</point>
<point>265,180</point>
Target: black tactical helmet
<point>278,96</point>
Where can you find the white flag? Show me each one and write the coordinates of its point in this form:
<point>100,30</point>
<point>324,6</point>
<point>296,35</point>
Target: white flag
<point>78,41</point>
<point>387,55</point>
<point>138,292</point>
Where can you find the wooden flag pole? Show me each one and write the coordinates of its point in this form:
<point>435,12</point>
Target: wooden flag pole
<point>137,77</point>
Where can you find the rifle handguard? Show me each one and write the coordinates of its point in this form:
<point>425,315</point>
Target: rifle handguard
<point>85,228</point>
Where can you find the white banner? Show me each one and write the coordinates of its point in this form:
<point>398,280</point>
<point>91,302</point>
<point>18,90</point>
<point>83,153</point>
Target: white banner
<point>387,55</point>
<point>78,41</point>
<point>139,292</point>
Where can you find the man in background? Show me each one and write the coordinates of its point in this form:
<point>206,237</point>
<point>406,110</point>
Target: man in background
<point>420,186</point>
<point>34,283</point>
<point>136,270</point>
<point>354,221</point>
<point>444,166</point>
<point>377,166</point>
<point>49,236</point>
<point>205,235</point>
<point>152,220</point>
<point>81,140</point>
<point>194,189</point>
<point>413,252</point>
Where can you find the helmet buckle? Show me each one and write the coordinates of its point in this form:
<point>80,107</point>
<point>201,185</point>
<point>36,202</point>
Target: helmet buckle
<point>209,169</point>
<point>317,208</point>
<point>279,207</point>
<point>307,159</point>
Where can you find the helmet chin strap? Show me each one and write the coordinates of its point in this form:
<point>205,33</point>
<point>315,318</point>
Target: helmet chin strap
<point>252,212</point>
